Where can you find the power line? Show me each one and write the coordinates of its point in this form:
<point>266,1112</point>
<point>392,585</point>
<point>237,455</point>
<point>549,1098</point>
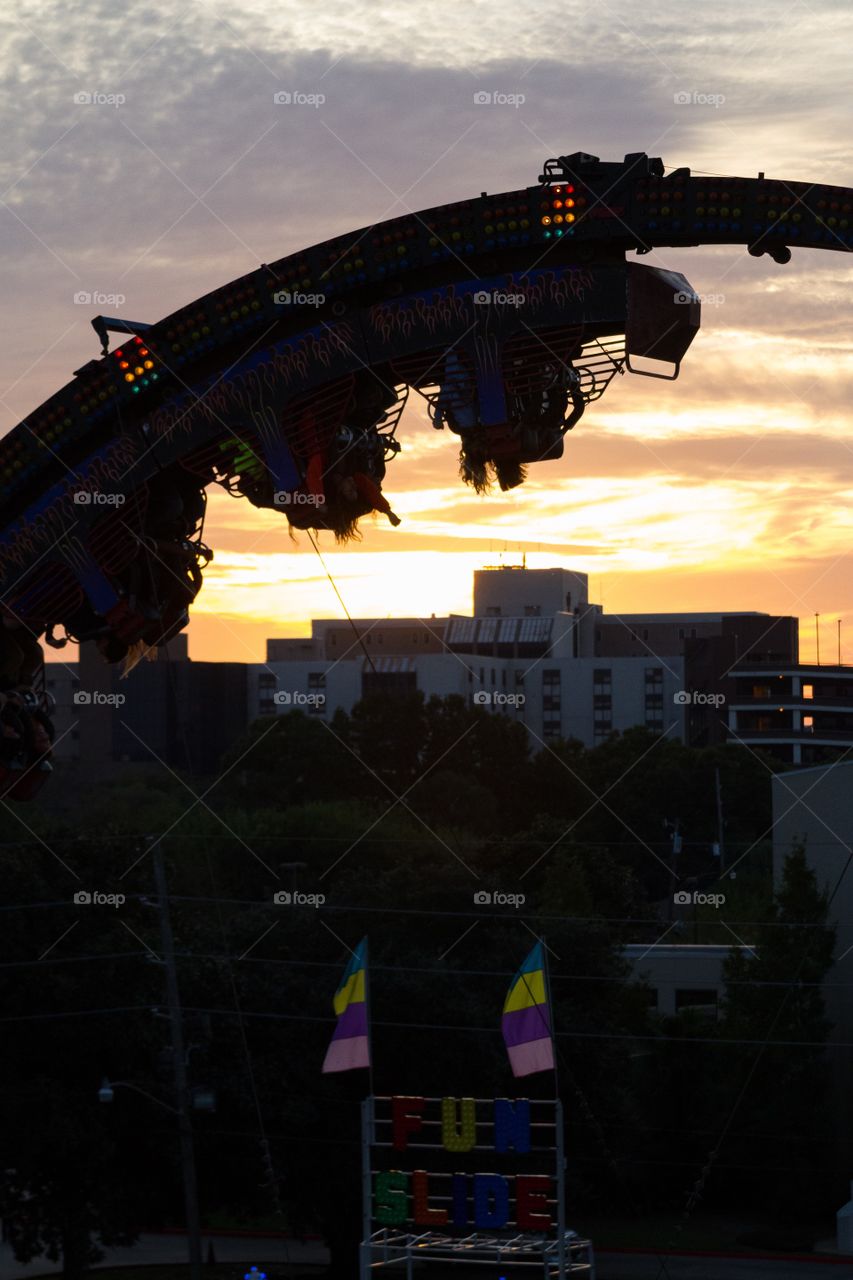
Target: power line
<point>494,1031</point>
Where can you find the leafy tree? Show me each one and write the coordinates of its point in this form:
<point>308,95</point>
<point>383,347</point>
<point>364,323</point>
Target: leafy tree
<point>778,1093</point>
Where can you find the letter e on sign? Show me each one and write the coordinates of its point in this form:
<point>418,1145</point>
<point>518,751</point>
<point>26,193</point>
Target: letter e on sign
<point>531,1202</point>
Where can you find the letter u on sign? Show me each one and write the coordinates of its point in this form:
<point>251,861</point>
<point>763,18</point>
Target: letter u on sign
<point>458,1124</point>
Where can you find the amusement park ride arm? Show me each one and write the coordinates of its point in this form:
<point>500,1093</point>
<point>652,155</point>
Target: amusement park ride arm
<point>509,313</point>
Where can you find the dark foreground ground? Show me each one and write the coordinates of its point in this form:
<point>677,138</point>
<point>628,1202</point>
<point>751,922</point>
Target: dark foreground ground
<point>161,1257</point>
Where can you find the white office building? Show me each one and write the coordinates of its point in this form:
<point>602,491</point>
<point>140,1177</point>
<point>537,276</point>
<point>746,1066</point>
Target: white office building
<point>534,649</point>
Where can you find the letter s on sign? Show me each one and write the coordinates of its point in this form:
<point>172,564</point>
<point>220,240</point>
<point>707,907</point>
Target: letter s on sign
<point>391,1198</point>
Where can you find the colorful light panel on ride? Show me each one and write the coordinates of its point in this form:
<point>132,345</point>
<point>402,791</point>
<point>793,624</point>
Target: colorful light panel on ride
<point>136,365</point>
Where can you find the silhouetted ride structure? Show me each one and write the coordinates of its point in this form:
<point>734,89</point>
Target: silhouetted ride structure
<point>507,313</point>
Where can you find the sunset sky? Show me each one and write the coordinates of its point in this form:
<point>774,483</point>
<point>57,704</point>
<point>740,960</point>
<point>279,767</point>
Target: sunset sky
<point>729,489</point>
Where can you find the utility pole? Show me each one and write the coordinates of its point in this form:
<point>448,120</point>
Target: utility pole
<point>817,636</point>
<point>180,1069</point>
<point>674,828</point>
<point>720,844</point>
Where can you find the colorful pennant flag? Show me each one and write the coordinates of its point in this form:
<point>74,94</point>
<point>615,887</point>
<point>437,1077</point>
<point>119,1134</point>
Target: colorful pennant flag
<point>526,1022</point>
<point>350,1047</point>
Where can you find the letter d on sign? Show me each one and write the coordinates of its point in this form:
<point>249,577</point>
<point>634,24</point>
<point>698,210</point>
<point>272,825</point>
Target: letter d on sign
<point>491,1201</point>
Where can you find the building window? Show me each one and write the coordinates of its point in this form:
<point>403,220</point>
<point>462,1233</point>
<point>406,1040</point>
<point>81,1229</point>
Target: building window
<point>602,680</point>
<point>551,697</point>
<point>701,1001</point>
<point>808,691</point>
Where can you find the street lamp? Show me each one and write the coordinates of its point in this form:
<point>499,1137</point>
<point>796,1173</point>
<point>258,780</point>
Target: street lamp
<point>200,1099</point>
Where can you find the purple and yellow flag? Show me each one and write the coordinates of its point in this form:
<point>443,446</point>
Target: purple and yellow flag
<point>350,1047</point>
<point>526,1022</point>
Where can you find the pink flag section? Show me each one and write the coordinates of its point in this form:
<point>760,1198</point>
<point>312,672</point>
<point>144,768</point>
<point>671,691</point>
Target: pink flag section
<point>346,1055</point>
<point>536,1055</point>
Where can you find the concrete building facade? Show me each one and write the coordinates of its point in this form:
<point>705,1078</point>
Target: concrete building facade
<point>536,649</point>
